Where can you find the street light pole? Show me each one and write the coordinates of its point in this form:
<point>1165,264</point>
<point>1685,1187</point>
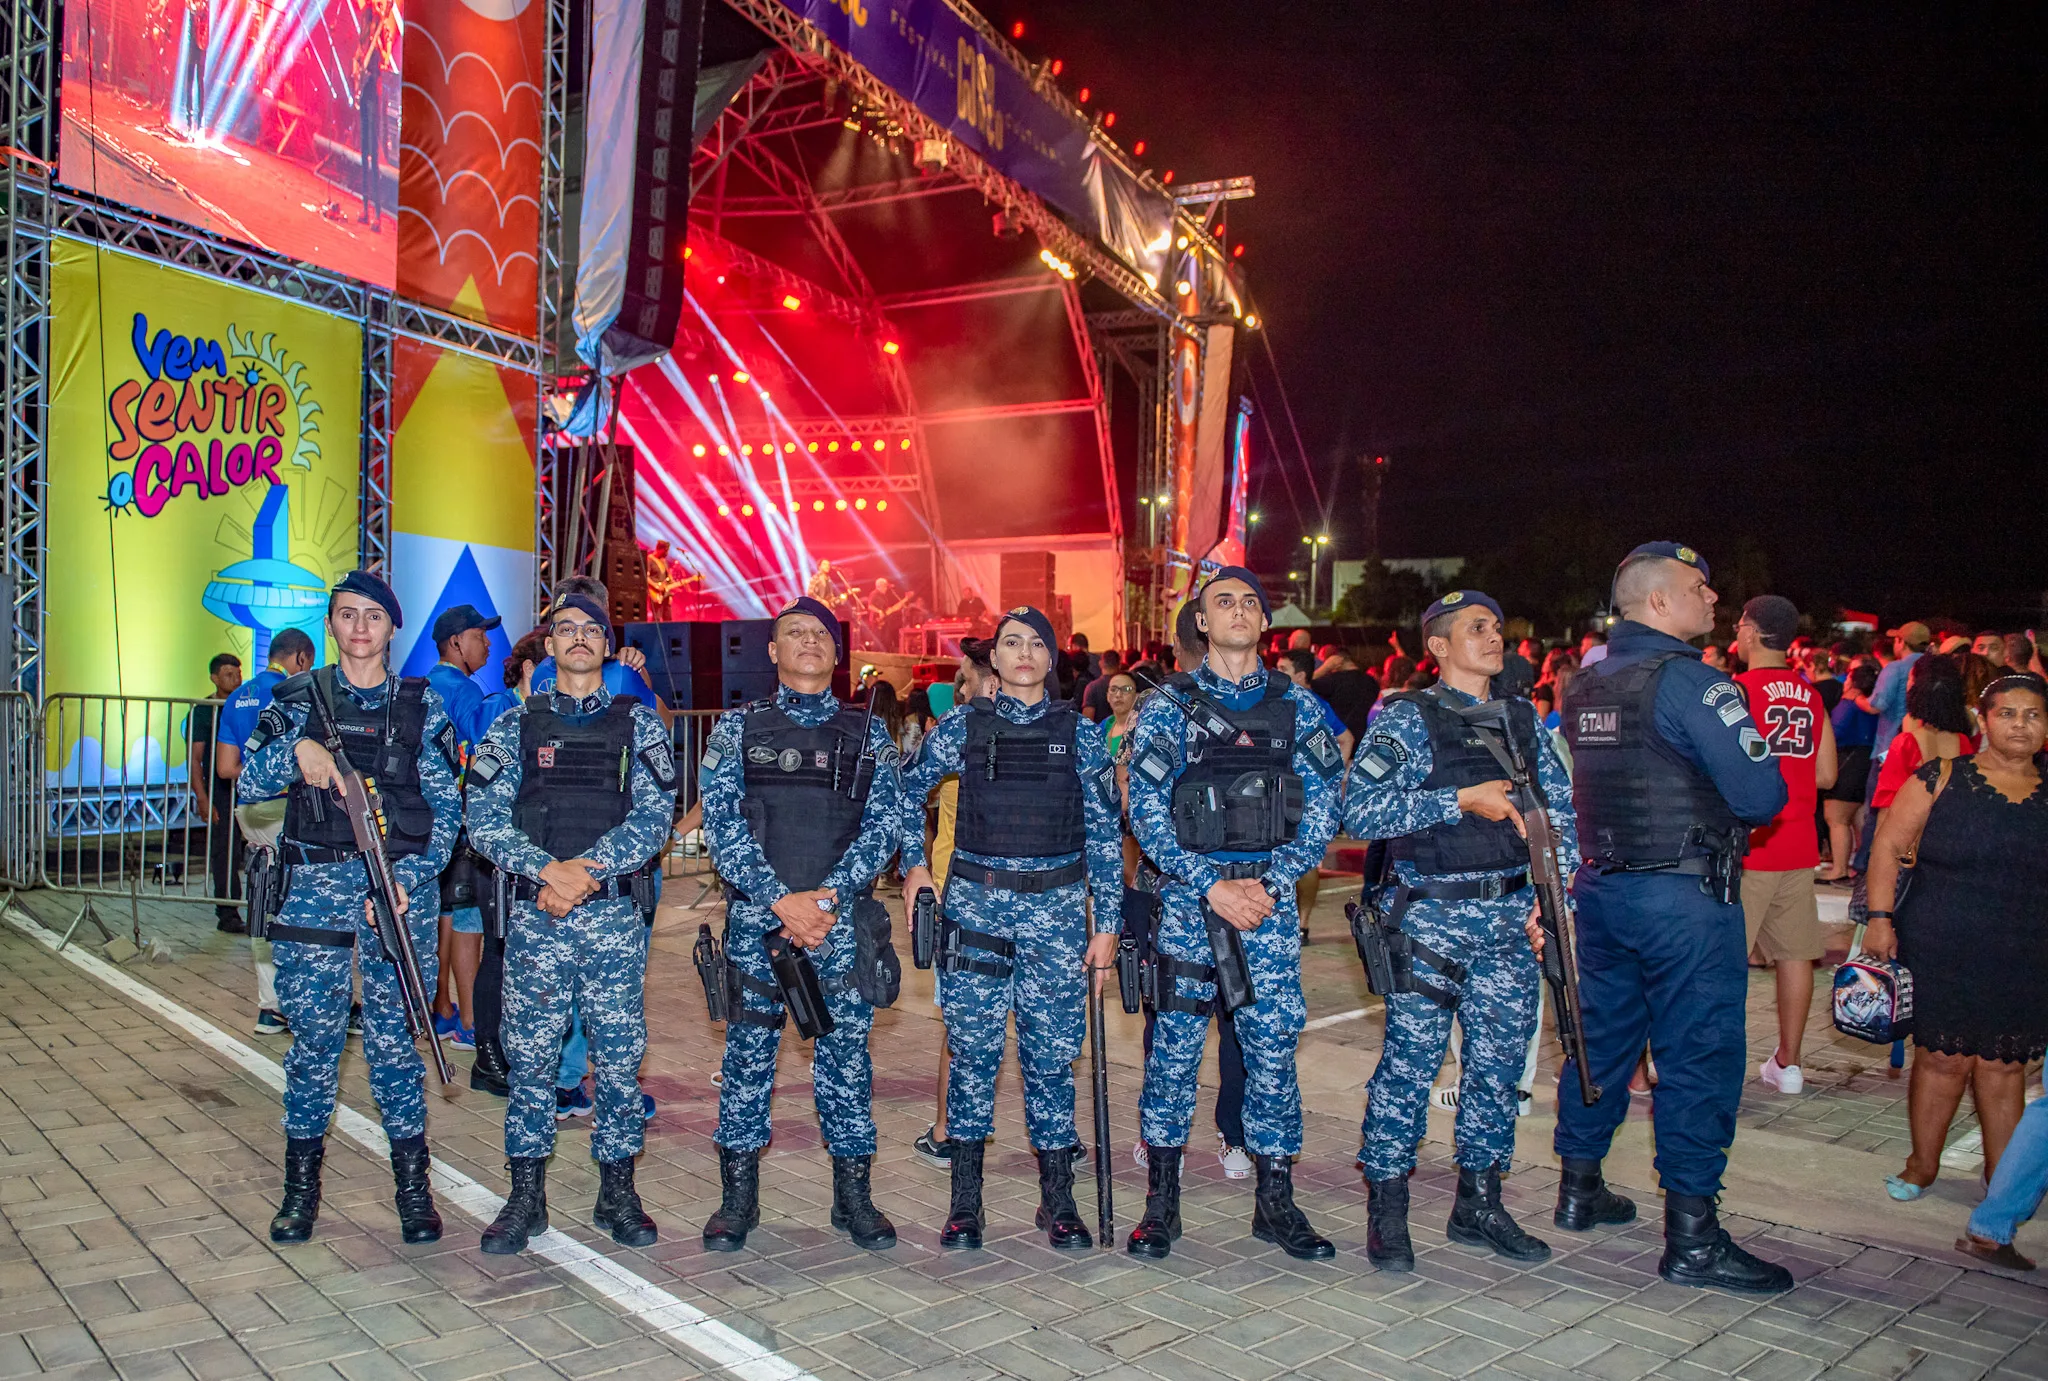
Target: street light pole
<point>1316,546</point>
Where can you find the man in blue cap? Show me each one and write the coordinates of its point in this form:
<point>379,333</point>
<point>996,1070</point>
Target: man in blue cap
<point>462,637</point>
<point>571,796</point>
<point>1454,877</point>
<point>1669,775</point>
<point>1233,796</point>
<point>803,806</point>
<point>395,730</point>
<point>1039,832</point>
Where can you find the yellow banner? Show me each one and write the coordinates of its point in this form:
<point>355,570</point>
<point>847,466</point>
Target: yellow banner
<point>204,468</point>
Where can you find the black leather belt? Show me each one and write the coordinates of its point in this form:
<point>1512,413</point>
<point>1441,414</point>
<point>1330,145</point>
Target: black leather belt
<point>314,853</point>
<point>618,885</point>
<point>311,935</point>
<point>1470,889</point>
<point>1697,865</point>
<point>1014,880</point>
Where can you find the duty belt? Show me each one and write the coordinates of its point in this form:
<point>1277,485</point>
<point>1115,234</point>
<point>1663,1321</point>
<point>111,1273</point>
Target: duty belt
<point>618,885</point>
<point>1695,865</point>
<point>315,853</point>
<point>1471,889</point>
<point>1016,880</point>
<point>311,935</point>
<point>1237,869</point>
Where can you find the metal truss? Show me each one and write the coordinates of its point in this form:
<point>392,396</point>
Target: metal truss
<point>756,108</point>
<point>374,495</point>
<point>554,121</point>
<point>1046,281</point>
<point>813,488</point>
<point>1084,351</point>
<point>182,246</point>
<point>28,76</point>
<point>815,296</point>
<point>417,322</point>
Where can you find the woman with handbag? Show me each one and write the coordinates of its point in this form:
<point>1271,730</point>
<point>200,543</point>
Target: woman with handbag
<point>1973,833</point>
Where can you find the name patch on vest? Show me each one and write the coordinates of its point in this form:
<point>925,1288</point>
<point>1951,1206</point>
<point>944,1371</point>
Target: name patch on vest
<point>1600,725</point>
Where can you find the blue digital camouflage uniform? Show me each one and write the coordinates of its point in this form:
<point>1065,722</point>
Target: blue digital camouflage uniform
<point>1047,987</point>
<point>313,981</point>
<point>594,959</point>
<point>842,1074</point>
<point>1270,1028</point>
<point>1498,1005</point>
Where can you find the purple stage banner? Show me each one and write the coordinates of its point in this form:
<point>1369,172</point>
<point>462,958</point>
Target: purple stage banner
<point>931,54</point>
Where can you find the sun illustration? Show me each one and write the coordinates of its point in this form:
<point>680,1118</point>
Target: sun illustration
<point>291,373</point>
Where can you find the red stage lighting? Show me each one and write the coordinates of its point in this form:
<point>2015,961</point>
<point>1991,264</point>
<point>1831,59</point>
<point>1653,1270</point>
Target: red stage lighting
<point>1138,149</point>
<point>1109,120</point>
<point>1166,178</point>
<point>1083,97</point>
<point>890,347</point>
<point>746,510</point>
<point>813,448</point>
<point>792,301</point>
<point>1237,251</point>
<point>725,450</point>
<point>1017,29</point>
<point>832,446</point>
<point>747,449</point>
<point>906,443</point>
<point>789,448</point>
<point>697,450</point>
<point>686,251</point>
<point>724,511</point>
<point>881,505</point>
<point>839,504</point>
<point>1056,66</point>
<point>739,376</point>
<point>861,505</point>
<point>817,505</point>
<point>856,445</point>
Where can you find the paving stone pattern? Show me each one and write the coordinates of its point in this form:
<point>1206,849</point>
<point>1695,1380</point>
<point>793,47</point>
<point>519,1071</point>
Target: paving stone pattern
<point>138,1173</point>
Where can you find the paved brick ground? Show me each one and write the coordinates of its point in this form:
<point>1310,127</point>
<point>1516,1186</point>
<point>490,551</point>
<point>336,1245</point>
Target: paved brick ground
<point>138,1170</point>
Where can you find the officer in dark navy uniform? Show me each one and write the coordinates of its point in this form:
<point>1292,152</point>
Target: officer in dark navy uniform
<point>1669,774</point>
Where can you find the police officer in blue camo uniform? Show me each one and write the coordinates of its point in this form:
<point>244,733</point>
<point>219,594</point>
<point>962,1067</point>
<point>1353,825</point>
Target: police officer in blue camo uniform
<point>1039,832</point>
<point>1427,783</point>
<point>803,806</point>
<point>1669,775</point>
<point>395,732</point>
<point>572,795</point>
<point>1233,796</point>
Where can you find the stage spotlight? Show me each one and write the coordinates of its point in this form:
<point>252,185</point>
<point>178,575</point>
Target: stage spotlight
<point>860,505</point>
<point>812,448</point>
<point>725,450</point>
<point>763,394</point>
<point>713,378</point>
<point>1017,29</point>
<point>905,443</point>
<point>1138,149</point>
<point>1083,97</point>
<point>1151,279</point>
<point>856,445</point>
<point>890,347</point>
<point>817,505</point>
<point>746,510</point>
<point>721,278</point>
<point>792,301</point>
<point>833,447</point>
<point>794,506</point>
<point>1183,287</point>
<point>1166,178</point>
<point>1007,224</point>
<point>1057,65</point>
<point>686,251</point>
<point>1252,321</point>
<point>697,450</point>
<point>1253,516</point>
<point>1109,120</point>
<point>1237,251</point>
<point>839,504</point>
<point>789,448</point>
<point>740,376</point>
<point>881,505</point>
<point>724,511</point>
<point>932,155</point>
<point>747,449</point>
<point>1181,243</point>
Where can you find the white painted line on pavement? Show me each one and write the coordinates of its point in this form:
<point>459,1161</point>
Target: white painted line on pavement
<point>721,1345</point>
<point>1967,1153</point>
<point>1320,1022</point>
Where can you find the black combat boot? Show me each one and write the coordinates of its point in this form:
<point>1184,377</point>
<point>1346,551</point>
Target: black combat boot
<point>490,1073</point>
<point>1156,1231</point>
<point>739,1208</point>
<point>1478,1220</point>
<point>964,1220</point>
<point>1699,1251</point>
<point>417,1220</point>
<point>1057,1215</point>
<point>618,1209</point>
<point>1585,1202</point>
<point>1275,1218</point>
<point>1387,1244</point>
<point>853,1208</point>
<point>526,1207</point>
<point>294,1220</point>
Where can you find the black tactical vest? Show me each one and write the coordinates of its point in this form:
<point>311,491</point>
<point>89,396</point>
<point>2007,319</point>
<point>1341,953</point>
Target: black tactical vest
<point>1240,794</point>
<point>806,789</point>
<point>575,779</point>
<point>1459,758</point>
<point>1020,788</point>
<point>1639,804</point>
<point>384,745</point>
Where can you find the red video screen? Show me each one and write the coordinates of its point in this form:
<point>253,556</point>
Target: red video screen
<point>272,122</point>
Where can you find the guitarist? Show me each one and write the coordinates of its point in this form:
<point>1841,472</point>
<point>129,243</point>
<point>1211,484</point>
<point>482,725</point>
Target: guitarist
<point>400,738</point>
<point>1457,885</point>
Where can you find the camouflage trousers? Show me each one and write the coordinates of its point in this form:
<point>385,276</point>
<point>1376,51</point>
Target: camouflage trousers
<point>594,960</point>
<point>1268,1030</point>
<point>1497,1011</point>
<point>1046,989</point>
<point>315,988</point>
<point>842,1074</point>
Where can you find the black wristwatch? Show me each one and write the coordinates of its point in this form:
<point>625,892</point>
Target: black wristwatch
<point>1878,915</point>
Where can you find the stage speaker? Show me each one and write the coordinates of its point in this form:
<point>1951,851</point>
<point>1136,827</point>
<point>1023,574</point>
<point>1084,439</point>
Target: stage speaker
<point>743,647</point>
<point>713,666</point>
<point>1027,578</point>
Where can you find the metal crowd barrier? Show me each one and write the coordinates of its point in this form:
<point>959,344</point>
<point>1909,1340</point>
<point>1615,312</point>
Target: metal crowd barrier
<point>21,780</point>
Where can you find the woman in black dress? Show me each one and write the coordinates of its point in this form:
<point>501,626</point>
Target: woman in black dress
<point>1972,929</point>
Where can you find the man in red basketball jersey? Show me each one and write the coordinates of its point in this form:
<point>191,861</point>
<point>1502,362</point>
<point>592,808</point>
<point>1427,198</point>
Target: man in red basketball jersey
<point>1778,908</point>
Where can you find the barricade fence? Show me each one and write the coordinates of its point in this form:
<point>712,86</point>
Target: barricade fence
<point>105,795</point>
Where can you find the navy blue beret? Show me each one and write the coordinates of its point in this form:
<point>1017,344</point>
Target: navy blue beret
<point>372,587</point>
<point>1033,619</point>
<point>1451,601</point>
<point>1674,551</point>
<point>804,604</point>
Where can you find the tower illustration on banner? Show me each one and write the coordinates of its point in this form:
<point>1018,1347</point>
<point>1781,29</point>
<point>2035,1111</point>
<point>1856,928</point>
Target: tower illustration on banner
<point>267,593</point>
<point>465,586</point>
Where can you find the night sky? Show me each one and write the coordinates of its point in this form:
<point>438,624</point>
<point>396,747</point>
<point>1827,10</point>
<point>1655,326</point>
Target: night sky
<point>1723,273</point>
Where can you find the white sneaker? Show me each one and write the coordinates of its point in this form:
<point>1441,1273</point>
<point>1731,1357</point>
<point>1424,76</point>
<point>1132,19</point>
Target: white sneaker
<point>1525,1102</point>
<point>1445,1098</point>
<point>1236,1164</point>
<point>1783,1078</point>
<point>1140,1157</point>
